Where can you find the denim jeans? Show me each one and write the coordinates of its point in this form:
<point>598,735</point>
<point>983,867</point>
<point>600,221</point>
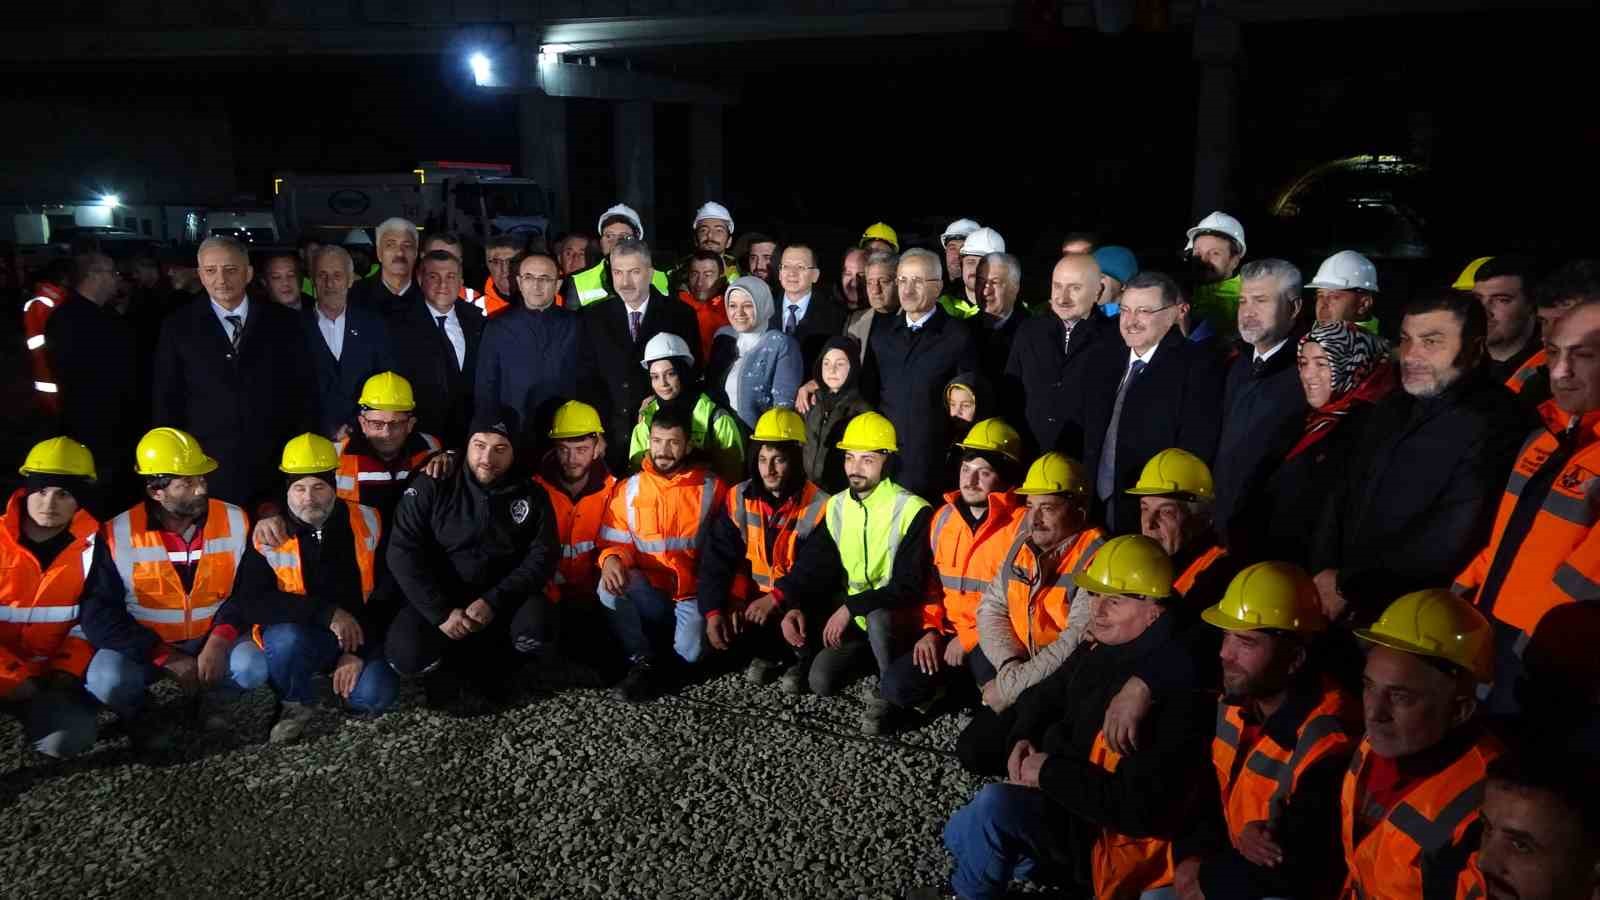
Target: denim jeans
<point>119,681</point>
<point>646,619</point>
<point>297,653</point>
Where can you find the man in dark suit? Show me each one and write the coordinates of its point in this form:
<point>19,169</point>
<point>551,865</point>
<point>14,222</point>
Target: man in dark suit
<point>348,344</point>
<point>999,282</point>
<point>907,367</point>
<point>616,329</point>
<point>233,373</point>
<point>436,347</point>
<point>392,291</point>
<point>1153,391</point>
<point>1045,374</point>
<point>801,313</point>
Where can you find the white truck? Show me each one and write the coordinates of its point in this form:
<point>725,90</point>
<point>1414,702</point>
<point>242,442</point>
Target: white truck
<point>477,201</point>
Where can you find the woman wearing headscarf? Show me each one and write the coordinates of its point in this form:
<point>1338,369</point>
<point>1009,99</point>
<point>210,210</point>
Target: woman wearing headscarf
<point>715,433</point>
<point>1344,370</point>
<point>753,367</point>
<point>838,376</point>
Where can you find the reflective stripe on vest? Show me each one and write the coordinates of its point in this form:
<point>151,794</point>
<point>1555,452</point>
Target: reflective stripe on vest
<point>354,468</point>
<point>708,499</point>
<point>1125,866</point>
<point>285,558</point>
<point>1185,582</point>
<point>48,303</point>
<point>961,583</point>
<point>862,579</point>
<point>140,564</point>
<point>752,529</point>
<point>1074,559</point>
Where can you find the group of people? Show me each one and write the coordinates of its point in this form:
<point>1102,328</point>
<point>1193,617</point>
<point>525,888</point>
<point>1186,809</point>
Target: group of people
<point>1247,600</point>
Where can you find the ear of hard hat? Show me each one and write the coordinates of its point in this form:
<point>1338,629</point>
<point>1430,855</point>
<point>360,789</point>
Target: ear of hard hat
<point>713,211</point>
<point>1346,270</point>
<point>1131,564</point>
<point>1218,223</point>
<point>983,242</point>
<point>1270,595</point>
<point>665,346</point>
<point>1175,473</point>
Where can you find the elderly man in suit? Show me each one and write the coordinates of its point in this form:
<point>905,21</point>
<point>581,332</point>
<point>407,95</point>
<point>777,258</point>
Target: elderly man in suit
<point>349,344</point>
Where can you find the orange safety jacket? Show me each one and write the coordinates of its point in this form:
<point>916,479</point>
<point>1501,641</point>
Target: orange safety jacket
<point>155,594</point>
<point>285,558</point>
<point>1525,372</point>
<point>1038,602</point>
<point>1185,580</point>
<point>709,316</point>
<point>654,523</point>
<point>1258,788</point>
<point>1125,867</point>
<point>578,529</point>
<point>39,628</point>
<point>1386,864</point>
<point>750,518</point>
<point>356,469</point>
<point>968,561</point>
<point>35,315</point>
<point>490,303</point>
<point>1555,558</point>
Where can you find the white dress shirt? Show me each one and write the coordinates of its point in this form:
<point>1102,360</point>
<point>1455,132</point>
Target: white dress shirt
<point>452,331</point>
<point>222,312</point>
<point>923,320</point>
<point>332,331</point>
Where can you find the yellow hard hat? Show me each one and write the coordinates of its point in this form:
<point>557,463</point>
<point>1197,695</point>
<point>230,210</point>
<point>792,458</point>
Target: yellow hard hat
<point>880,231</point>
<point>168,451</point>
<point>389,392</point>
<point>1055,473</point>
<point>308,454</point>
<point>1437,623</point>
<point>59,456</point>
<point>1469,276</point>
<point>575,419</point>
<point>869,432</point>
<point>1131,564</point>
<point>996,435</point>
<point>780,424</point>
<point>1175,473</point>
<point>1275,595</point>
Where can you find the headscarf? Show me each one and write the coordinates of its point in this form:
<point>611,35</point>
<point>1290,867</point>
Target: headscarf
<point>746,341</point>
<point>1361,373</point>
<point>852,349</point>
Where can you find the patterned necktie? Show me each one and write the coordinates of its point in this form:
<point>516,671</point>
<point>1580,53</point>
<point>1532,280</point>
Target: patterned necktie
<point>790,322</point>
<point>1105,478</point>
<point>237,324</point>
<point>634,319</point>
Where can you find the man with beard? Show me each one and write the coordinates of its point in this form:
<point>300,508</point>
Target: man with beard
<point>713,233</point>
<point>472,554</point>
<point>756,543</point>
<point>1215,250</point>
<point>702,291</point>
<point>1541,828</point>
<point>617,224</point>
<point>304,600</point>
<point>1284,735</point>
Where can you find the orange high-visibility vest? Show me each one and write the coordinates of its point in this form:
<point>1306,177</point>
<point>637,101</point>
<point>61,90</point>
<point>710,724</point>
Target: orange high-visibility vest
<point>1125,867</point>
<point>1386,863</point>
<point>490,301</point>
<point>39,628</point>
<point>36,314</point>
<point>1185,581</point>
<point>1270,772</point>
<point>285,558</point>
<point>654,524</point>
<point>749,517</point>
<point>356,469</point>
<point>578,529</point>
<point>1039,602</point>
<point>968,561</point>
<point>1525,372</point>
<point>155,594</point>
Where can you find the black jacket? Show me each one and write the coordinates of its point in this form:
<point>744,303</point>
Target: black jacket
<point>1263,414</point>
<point>615,383</point>
<point>443,389</point>
<point>1152,792</point>
<point>1175,402</point>
<point>367,350</point>
<point>1045,377</point>
<point>818,577</point>
<point>93,358</point>
<point>823,319</point>
<point>1280,517</point>
<point>241,406</point>
<point>1417,496</point>
<point>104,615</point>
<point>371,293</point>
<point>994,346</point>
<point>530,362</point>
<point>455,541</point>
<point>904,375</point>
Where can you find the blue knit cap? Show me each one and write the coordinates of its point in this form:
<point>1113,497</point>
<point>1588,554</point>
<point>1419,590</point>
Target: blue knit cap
<point>1118,262</point>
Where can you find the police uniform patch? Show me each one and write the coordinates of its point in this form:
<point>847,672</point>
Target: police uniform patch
<point>519,511</point>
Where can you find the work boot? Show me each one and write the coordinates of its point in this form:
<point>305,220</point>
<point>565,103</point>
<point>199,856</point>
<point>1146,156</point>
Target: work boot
<point>875,713</point>
<point>761,671</point>
<point>641,684</point>
<point>794,679</point>
<point>292,721</point>
<point>926,707</point>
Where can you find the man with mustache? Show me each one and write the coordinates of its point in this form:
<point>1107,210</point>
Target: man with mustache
<point>391,291</point>
<point>1541,828</point>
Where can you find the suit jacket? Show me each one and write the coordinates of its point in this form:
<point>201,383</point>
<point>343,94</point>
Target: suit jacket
<point>1042,390</point>
<point>443,389</point>
<point>904,375</point>
<point>1175,402</point>
<point>1263,414</point>
<point>371,293</point>
<point>367,350</point>
<point>242,405</point>
<point>823,319</point>
<point>617,384</point>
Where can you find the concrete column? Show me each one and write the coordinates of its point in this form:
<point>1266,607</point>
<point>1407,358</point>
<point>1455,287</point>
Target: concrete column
<point>1216,138</point>
<point>542,132</point>
<point>705,154</point>
<point>634,142</point>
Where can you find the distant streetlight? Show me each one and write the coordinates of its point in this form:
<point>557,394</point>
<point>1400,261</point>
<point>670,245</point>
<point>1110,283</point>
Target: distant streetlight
<point>482,69</point>
<point>110,201</point>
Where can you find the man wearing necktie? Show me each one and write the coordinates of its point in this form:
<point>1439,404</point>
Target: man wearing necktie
<point>802,314</point>
<point>436,339</point>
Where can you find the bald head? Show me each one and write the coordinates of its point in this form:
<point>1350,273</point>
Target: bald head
<point>1074,287</point>
<point>1573,345</point>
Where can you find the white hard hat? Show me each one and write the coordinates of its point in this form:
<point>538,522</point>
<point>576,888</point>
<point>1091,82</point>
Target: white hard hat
<point>713,211</point>
<point>1346,270</point>
<point>983,242</point>
<point>665,346</point>
<point>357,238</point>
<point>625,211</point>
<point>960,228</point>
<point>1218,223</point>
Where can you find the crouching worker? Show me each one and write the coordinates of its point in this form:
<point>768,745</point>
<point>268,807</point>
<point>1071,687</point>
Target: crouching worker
<point>472,553</point>
<point>650,540</point>
<point>755,543</point>
<point>875,547</point>
<point>1072,809</point>
<point>304,601</point>
<point>47,542</point>
<point>173,561</point>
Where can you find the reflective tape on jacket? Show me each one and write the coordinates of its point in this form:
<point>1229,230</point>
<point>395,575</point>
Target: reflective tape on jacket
<point>1186,579</point>
<point>1038,603</point>
<point>356,469</point>
<point>868,532</point>
<point>39,606</point>
<point>594,284</point>
<point>285,562</point>
<point>46,387</point>
<point>662,519</point>
<point>1123,866</point>
<point>1526,372</point>
<point>578,530</point>
<point>748,518</point>
<point>967,561</point>
<point>154,591</point>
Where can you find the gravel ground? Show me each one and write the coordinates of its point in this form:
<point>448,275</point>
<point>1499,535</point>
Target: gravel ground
<point>723,790</point>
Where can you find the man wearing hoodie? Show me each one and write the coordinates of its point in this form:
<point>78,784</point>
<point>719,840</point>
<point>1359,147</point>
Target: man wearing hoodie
<point>472,553</point>
<point>593,284</point>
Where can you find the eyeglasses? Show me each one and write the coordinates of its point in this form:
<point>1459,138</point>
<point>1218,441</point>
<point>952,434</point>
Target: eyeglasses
<point>540,280</point>
<point>913,282</point>
<point>1145,313</point>
<point>795,270</point>
<point>383,425</point>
